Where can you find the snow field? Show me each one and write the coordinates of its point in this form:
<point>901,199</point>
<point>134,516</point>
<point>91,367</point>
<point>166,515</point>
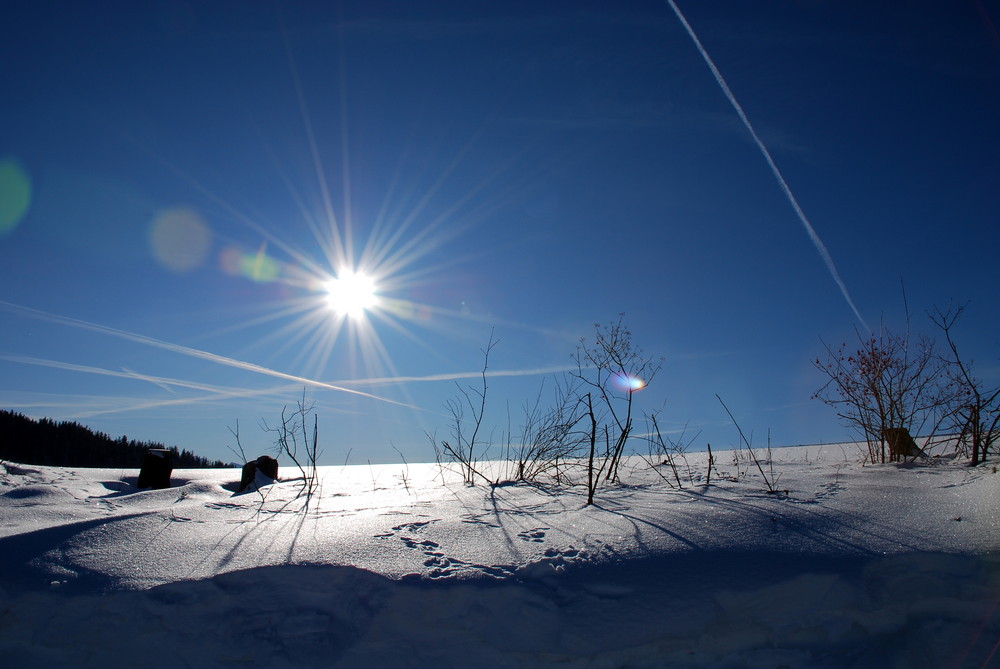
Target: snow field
<point>887,566</point>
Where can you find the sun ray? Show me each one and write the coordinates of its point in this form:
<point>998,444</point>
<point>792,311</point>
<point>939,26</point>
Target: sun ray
<point>345,147</point>
<point>337,254</point>
<point>190,352</point>
<point>326,323</point>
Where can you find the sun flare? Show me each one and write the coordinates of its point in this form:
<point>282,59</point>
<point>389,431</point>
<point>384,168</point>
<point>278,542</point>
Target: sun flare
<point>351,294</point>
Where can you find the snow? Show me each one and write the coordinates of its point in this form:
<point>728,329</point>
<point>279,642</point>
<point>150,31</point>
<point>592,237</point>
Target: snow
<point>404,566</point>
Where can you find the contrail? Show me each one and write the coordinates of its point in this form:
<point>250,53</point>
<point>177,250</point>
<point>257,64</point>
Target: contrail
<point>191,352</point>
<point>217,393</point>
<point>163,382</point>
<point>457,376</point>
<point>817,242</point>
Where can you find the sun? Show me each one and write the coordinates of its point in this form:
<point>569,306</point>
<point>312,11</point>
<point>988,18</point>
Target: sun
<point>351,294</point>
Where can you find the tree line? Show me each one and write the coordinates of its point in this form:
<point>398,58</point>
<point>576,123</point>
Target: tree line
<point>68,444</point>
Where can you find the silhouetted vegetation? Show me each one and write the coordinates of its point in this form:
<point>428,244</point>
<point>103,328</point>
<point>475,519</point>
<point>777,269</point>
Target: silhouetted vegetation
<point>66,444</point>
<point>586,429</point>
<point>292,440</point>
<point>894,386</point>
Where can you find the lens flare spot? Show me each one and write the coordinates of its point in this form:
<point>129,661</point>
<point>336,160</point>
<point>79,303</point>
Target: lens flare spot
<point>15,194</point>
<point>402,309</point>
<point>258,267</point>
<point>629,383</point>
<point>180,239</point>
<point>229,260</point>
<point>351,294</point>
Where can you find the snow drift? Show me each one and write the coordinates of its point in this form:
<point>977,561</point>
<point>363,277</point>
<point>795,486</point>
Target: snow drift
<point>852,566</point>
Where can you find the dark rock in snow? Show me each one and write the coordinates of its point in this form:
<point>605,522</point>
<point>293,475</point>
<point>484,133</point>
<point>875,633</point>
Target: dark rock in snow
<point>268,466</point>
<point>156,469</point>
<point>265,464</point>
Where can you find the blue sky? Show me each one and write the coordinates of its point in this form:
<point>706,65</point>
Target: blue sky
<point>178,181</point>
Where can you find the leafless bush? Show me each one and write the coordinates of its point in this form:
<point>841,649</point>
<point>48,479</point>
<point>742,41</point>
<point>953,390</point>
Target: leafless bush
<point>403,476</point>
<point>292,440</point>
<point>593,475</point>
<point>615,369</point>
<point>238,449</point>
<point>465,448</point>
<point>549,436</point>
<point>889,381</point>
<point>666,452</point>
<point>769,481</point>
<point>711,465</point>
<point>975,412</point>
<point>593,405</point>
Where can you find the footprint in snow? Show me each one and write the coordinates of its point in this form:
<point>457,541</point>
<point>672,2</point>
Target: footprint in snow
<point>419,545</point>
<point>440,565</point>
<point>536,534</point>
<point>413,527</point>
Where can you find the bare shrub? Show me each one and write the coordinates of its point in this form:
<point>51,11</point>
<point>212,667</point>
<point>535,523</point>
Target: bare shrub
<point>889,381</point>
<point>592,405</point>
<point>666,452</point>
<point>615,369</point>
<point>238,449</point>
<point>593,475</point>
<point>975,411</point>
<point>292,440</point>
<point>769,481</point>
<point>464,446</point>
<point>549,436</point>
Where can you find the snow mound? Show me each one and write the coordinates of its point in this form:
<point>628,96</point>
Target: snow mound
<point>851,567</point>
